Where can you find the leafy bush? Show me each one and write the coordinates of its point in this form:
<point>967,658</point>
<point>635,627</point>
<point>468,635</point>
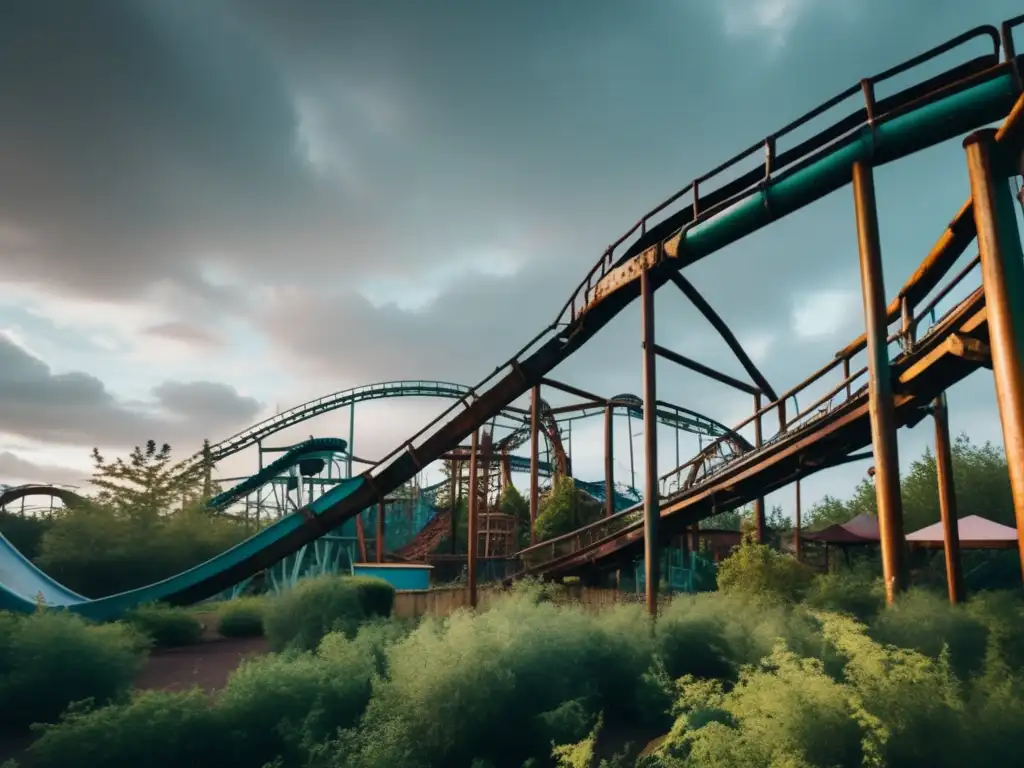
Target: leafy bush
<point>757,569</point>
<point>241,617</point>
<point>376,596</point>
<point>156,729</point>
<point>51,659</point>
<point>279,708</point>
<point>302,616</point>
<point>927,623</point>
<point>493,687</point>
<point>859,593</point>
<point>167,627</point>
<point>96,551</point>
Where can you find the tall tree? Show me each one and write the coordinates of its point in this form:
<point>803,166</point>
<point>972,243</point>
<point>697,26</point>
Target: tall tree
<point>148,484</point>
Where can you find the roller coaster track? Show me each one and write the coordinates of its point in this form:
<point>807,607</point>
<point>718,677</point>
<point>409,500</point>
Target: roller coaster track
<point>668,414</point>
<point>694,223</point>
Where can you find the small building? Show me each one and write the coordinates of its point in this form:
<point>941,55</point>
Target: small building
<point>974,532</point>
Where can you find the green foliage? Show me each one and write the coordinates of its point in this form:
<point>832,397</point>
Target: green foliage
<point>488,687</point>
<point>858,592</point>
<point>564,509</point>
<point>302,616</point>
<point>513,503</point>
<point>165,626</point>
<point>241,617</point>
<point>156,729</point>
<point>376,596</point>
<point>96,550</point>
<point>147,485</point>
<point>24,533</point>
<point>757,569</point>
<point>979,474</point>
<point>51,659</point>
<point>731,679</point>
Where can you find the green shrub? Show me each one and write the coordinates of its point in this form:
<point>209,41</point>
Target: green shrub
<point>51,659</point>
<point>302,616</point>
<point>927,623</point>
<point>758,569</point>
<point>859,593</point>
<point>493,687</point>
<point>155,729</point>
<point>241,617</point>
<point>376,596</point>
<point>167,627</point>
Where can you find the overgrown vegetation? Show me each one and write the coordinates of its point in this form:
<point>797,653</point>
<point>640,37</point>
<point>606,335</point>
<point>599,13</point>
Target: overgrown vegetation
<point>242,617</point>
<point>166,627</point>
<point>757,674</point>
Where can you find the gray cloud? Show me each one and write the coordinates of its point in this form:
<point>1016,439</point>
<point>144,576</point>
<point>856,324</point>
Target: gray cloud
<point>186,333</point>
<point>16,470</point>
<point>77,409</point>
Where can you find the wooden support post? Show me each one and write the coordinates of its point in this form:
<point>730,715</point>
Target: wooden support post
<point>760,523</point>
<point>609,465</point>
<point>380,530</point>
<point>1002,275</point>
<point>880,400</point>
<point>651,507</point>
<point>534,459</point>
<point>947,501</point>
<point>473,505</point>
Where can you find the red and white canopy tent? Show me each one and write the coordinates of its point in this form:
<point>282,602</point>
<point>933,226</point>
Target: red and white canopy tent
<point>974,532</point>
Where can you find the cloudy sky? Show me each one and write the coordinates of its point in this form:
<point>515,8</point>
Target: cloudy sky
<point>214,209</point>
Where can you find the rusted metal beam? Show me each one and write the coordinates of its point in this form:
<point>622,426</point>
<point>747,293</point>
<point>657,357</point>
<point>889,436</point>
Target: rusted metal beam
<point>569,389</point>
<point>576,407</point>
<point>969,348</point>
<point>880,396</point>
<point>534,459</point>
<point>711,373</point>
<point>474,502</point>
<point>650,397</point>
<point>947,501</point>
<point>1002,276</point>
<point>702,305</point>
<point>609,464</point>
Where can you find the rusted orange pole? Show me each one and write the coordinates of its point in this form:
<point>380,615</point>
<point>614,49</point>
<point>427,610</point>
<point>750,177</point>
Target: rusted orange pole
<point>471,523</point>
<point>797,548</point>
<point>880,401</point>
<point>651,508</point>
<point>947,501</point>
<point>1002,275</point>
<point>380,530</point>
<point>760,523</point>
<point>609,477</point>
<point>534,458</point>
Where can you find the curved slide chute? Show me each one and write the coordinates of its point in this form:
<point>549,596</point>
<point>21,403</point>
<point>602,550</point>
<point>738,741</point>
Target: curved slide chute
<point>23,586</point>
<point>314,448</point>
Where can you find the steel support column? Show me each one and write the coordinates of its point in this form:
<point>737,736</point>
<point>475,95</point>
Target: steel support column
<point>760,523</point>
<point>880,401</point>
<point>453,503</point>
<point>947,501</point>
<point>651,510</point>
<point>534,459</point>
<point>798,526</point>
<point>471,523</point>
<point>1002,275</point>
<point>380,530</point>
<point>609,469</point>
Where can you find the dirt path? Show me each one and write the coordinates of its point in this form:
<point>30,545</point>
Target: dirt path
<point>208,664</point>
